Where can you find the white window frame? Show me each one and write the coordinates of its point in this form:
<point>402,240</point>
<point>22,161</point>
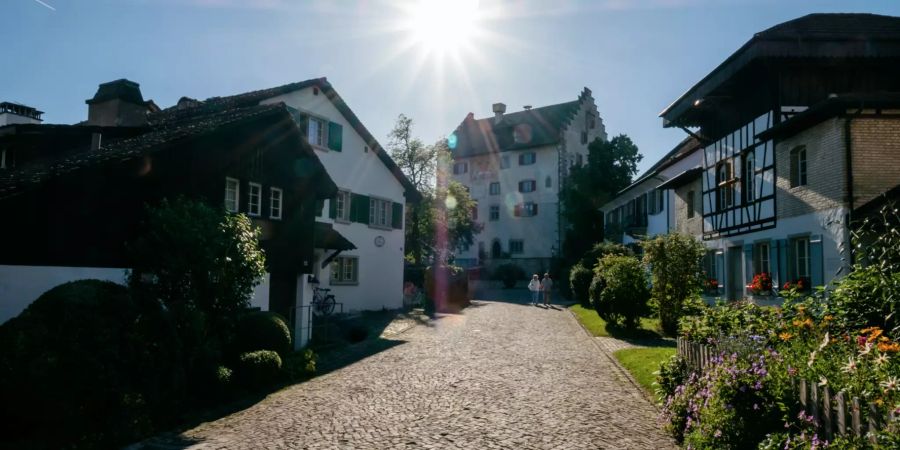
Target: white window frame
<point>345,270</point>
<point>529,209</point>
<point>492,217</point>
<point>250,202</point>
<point>342,206</point>
<point>321,137</point>
<point>237,194</point>
<point>525,158</point>
<point>524,183</point>
<point>460,167</point>
<point>491,188</point>
<point>380,212</point>
<point>749,176</point>
<point>761,262</point>
<point>802,262</point>
<point>276,203</point>
<point>504,162</point>
<point>512,248</point>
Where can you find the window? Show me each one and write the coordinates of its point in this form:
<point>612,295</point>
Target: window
<point>275,203</point>
<point>475,212</point>
<point>516,246</point>
<point>232,194</point>
<point>528,209</point>
<point>761,258</point>
<point>527,186</point>
<point>316,131</point>
<point>548,182</point>
<point>495,188</point>
<point>749,188</point>
<point>504,162</point>
<point>526,159</point>
<point>589,121</point>
<point>254,199</point>
<point>379,213</point>
<point>709,267</point>
<point>584,137</point>
<point>460,168</point>
<point>725,185</point>
<point>494,213</point>
<point>798,166</point>
<point>690,204</point>
<point>342,206</point>
<point>801,257</point>
<point>579,159</point>
<point>345,270</point>
<point>655,200</point>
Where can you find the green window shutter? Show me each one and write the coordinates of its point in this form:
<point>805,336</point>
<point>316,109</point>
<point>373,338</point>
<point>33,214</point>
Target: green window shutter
<point>720,268</point>
<point>816,271</point>
<point>332,207</point>
<point>335,136</point>
<point>748,263</point>
<point>320,205</point>
<point>774,264</point>
<point>397,216</point>
<point>782,257</point>
<point>359,208</point>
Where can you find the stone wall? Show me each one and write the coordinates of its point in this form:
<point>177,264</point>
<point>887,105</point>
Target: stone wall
<point>825,162</point>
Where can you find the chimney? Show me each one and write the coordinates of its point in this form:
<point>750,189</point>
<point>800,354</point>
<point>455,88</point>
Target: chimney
<point>118,104</point>
<point>14,113</point>
<point>499,109</point>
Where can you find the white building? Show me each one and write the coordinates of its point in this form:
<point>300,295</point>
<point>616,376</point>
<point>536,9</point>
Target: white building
<point>369,210</point>
<point>513,165</point>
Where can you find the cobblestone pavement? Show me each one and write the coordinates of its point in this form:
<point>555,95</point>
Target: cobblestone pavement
<point>500,375</point>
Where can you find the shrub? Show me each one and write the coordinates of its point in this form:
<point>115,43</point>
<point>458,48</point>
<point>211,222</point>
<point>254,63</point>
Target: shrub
<point>300,365</point>
<point>75,367</point>
<point>263,330</point>
<point>509,274</point>
<point>674,261</point>
<point>446,288</point>
<point>601,249</point>
<point>580,280</point>
<point>259,369</point>
<point>672,374</point>
<point>595,291</point>
<point>624,297</point>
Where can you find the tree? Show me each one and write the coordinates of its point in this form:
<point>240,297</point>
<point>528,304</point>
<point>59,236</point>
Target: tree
<point>674,262</point>
<point>452,209</point>
<point>418,162</point>
<point>610,168</point>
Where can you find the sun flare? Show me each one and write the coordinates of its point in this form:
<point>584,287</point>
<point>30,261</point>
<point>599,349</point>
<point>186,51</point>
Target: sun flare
<point>443,25</point>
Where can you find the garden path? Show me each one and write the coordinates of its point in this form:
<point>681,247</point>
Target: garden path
<point>499,375</point>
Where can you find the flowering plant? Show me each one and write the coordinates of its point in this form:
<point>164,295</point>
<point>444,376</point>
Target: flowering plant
<point>800,284</point>
<point>711,286</point>
<point>761,284</point>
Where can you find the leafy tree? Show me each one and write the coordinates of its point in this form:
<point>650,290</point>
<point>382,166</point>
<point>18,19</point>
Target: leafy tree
<point>202,263</point>
<point>610,168</point>
<point>674,262</point>
<point>418,162</point>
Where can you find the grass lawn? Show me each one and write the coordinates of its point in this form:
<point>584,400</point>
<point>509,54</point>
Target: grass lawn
<point>598,327</point>
<point>642,362</point>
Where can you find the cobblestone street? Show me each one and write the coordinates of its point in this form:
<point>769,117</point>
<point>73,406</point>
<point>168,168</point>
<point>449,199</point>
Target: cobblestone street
<point>500,375</point>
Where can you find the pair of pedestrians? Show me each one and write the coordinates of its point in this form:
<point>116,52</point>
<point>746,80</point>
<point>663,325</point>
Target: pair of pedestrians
<point>540,288</point>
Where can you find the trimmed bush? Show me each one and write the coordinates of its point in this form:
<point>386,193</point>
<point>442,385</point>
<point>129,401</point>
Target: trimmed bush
<point>594,292</point>
<point>76,367</point>
<point>624,297</point>
<point>509,274</point>
<point>580,280</point>
<point>259,369</point>
<point>263,330</point>
<point>300,365</point>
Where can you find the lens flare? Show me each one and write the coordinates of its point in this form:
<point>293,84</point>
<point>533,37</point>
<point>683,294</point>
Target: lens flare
<point>450,202</point>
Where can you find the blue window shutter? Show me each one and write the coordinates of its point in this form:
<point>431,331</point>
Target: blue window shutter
<point>784,274</point>
<point>335,136</point>
<point>774,264</point>
<point>720,269</point>
<point>748,263</point>
<point>815,260</point>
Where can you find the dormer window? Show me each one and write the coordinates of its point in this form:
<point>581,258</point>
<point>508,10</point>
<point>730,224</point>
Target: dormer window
<point>522,133</point>
<point>232,194</point>
<point>254,199</point>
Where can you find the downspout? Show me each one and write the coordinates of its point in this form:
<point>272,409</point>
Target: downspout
<point>848,161</point>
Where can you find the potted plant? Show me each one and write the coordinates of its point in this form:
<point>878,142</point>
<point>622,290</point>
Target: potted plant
<point>761,284</point>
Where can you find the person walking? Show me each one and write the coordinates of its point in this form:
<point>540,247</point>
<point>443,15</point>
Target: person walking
<point>535,287</point>
<point>546,286</point>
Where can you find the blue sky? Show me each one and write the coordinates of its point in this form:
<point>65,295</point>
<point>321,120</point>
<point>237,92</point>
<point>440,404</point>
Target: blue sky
<point>637,56</point>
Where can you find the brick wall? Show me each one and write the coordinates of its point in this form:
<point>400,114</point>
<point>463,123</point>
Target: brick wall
<point>692,226</point>
<point>876,157</point>
<point>826,180</point>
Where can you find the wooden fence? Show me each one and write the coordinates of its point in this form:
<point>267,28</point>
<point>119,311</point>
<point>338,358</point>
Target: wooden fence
<point>835,414</point>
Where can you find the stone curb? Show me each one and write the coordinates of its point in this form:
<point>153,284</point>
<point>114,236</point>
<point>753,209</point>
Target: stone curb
<point>646,395</point>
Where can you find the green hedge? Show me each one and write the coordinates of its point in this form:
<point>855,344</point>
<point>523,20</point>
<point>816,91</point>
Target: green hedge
<point>263,330</point>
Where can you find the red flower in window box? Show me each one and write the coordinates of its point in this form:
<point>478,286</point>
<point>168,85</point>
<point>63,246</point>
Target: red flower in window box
<point>761,284</point>
<point>800,284</point>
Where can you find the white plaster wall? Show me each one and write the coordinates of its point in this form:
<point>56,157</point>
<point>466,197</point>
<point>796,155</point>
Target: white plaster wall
<point>260,297</point>
<point>360,171</point>
<point>21,285</point>
<point>539,232</point>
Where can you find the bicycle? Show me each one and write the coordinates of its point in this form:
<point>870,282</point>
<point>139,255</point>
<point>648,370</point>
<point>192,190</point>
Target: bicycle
<point>322,302</point>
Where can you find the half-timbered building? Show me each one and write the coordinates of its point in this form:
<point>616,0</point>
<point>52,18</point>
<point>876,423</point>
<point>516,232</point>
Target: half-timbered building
<point>779,178</point>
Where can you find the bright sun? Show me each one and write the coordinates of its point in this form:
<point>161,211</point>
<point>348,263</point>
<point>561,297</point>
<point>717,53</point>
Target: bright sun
<point>443,25</point>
